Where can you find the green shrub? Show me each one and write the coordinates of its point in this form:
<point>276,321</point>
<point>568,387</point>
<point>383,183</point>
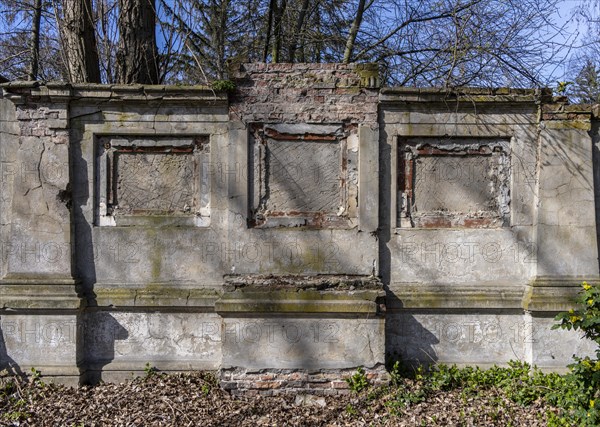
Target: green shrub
<point>583,390</point>
<point>223,85</point>
<point>150,371</point>
<point>575,396</point>
<point>586,318</point>
<point>519,382</point>
<point>358,381</point>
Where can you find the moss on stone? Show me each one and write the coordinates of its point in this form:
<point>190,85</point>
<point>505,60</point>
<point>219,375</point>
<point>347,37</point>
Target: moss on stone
<point>369,74</point>
<point>294,306</point>
<point>568,124</point>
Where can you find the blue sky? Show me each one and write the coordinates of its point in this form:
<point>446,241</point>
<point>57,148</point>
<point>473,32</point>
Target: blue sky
<point>574,30</point>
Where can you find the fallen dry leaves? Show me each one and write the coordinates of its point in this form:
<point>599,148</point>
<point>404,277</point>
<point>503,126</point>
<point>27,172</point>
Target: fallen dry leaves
<point>195,400</point>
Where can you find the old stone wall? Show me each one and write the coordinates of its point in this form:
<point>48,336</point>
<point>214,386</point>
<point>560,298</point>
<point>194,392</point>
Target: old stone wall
<point>284,234</point>
<point>36,274</point>
<point>301,134</point>
<point>486,231</point>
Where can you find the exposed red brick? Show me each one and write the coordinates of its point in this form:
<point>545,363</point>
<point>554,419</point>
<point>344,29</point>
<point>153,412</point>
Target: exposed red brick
<point>339,384</point>
<point>267,377</point>
<point>479,222</point>
<point>266,384</point>
<point>435,222</point>
<point>320,385</point>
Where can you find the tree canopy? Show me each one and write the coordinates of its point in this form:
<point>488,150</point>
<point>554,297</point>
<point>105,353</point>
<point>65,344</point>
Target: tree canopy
<point>417,42</point>
<point>582,78</point>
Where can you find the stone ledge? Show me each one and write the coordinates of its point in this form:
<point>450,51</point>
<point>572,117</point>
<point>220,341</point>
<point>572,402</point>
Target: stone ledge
<point>253,304</point>
<point>541,294</point>
<point>301,294</point>
<point>166,295</point>
<point>19,92</point>
<point>467,95</point>
<point>486,295</point>
<point>56,294</point>
<point>50,374</point>
<point>553,294</point>
<point>137,366</point>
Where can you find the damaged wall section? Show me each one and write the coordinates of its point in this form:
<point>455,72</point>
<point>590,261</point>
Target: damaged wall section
<point>453,183</point>
<point>304,175</point>
<point>308,134</point>
<point>302,226</point>
<point>478,185</point>
<point>141,177</point>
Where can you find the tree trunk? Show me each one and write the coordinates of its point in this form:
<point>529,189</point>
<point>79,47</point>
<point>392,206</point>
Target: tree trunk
<point>219,18</point>
<point>34,43</point>
<point>298,31</point>
<point>277,24</point>
<point>80,42</point>
<point>105,41</point>
<point>354,31</point>
<point>318,47</point>
<point>272,7</point>
<point>137,54</point>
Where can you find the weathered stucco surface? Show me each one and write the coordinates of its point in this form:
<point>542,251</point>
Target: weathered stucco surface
<point>285,234</point>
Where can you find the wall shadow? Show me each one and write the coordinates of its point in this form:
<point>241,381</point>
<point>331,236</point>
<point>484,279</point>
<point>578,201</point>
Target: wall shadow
<point>595,135</point>
<point>406,340</point>
<point>7,363</point>
<point>101,331</point>
<point>95,334</point>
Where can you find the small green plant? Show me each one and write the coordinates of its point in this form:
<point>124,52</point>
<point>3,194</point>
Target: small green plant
<point>206,388</point>
<point>16,415</point>
<point>358,381</point>
<point>578,400</point>
<point>587,317</point>
<point>13,401</point>
<point>561,87</point>
<point>399,370</point>
<point>150,370</point>
<point>223,85</point>
<point>410,394</point>
<point>396,373</point>
<point>36,377</point>
<point>35,374</point>
<point>350,410</point>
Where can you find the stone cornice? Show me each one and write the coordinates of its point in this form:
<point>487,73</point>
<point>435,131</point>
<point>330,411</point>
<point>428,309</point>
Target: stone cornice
<point>20,92</point>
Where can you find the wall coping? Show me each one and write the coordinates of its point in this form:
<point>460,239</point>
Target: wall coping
<point>21,92</point>
<point>468,95</point>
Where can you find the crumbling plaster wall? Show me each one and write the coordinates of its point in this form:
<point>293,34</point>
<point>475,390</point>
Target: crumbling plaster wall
<point>157,250</point>
<point>304,134</point>
<point>463,289</point>
<point>146,246</point>
<point>286,233</point>
<point>323,110</point>
<point>37,289</point>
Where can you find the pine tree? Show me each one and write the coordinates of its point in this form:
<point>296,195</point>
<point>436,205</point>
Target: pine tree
<point>586,89</point>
